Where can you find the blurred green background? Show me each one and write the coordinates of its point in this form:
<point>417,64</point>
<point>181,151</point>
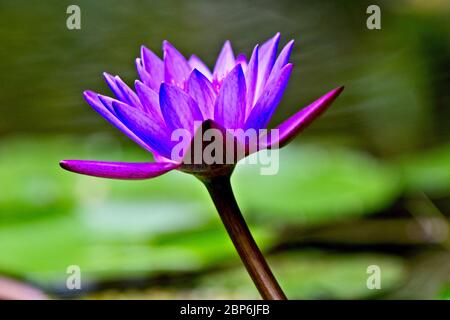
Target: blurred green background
<point>367,184</point>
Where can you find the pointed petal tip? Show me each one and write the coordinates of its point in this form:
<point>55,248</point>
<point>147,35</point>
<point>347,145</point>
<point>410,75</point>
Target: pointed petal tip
<point>110,81</point>
<point>299,121</point>
<point>89,94</point>
<point>92,99</point>
<point>229,108</point>
<point>333,94</point>
<point>275,39</point>
<point>326,100</point>
<point>64,164</point>
<point>167,45</point>
<point>227,47</point>
<point>69,165</point>
<point>225,61</point>
<point>178,108</point>
<point>288,66</point>
<point>162,88</point>
<point>117,105</point>
<point>239,68</point>
<point>139,83</point>
<point>169,48</point>
<point>240,72</point>
<point>107,75</point>
<point>196,72</point>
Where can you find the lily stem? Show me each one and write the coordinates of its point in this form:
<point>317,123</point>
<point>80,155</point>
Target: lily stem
<point>222,195</point>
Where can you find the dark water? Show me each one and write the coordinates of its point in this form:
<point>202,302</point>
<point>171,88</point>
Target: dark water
<point>395,77</point>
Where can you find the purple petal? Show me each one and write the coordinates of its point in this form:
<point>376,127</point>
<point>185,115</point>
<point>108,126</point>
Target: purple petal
<point>299,121</point>
<point>118,170</point>
<point>144,75</point>
<point>106,101</point>
<point>242,59</point>
<point>202,91</point>
<point>152,132</point>
<point>154,67</point>
<point>267,45</point>
<point>176,68</point>
<point>111,81</point>
<point>193,156</point>
<point>262,112</point>
<point>149,100</point>
<point>267,56</point>
<point>283,57</point>
<point>179,109</point>
<point>225,62</point>
<point>122,91</point>
<point>251,77</point>
<point>99,106</point>
<point>196,63</point>
<point>229,110</point>
<point>130,96</point>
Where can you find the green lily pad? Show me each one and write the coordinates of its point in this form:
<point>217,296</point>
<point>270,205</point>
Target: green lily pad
<point>314,275</point>
<point>130,228</point>
<point>445,293</point>
<point>427,171</point>
<point>314,185</point>
<point>43,250</point>
<point>31,186</point>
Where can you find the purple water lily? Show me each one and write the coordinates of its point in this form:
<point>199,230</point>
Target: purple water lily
<point>175,92</point>
<point>178,93</point>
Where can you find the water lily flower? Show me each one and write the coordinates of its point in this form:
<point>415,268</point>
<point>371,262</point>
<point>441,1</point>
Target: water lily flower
<point>176,93</point>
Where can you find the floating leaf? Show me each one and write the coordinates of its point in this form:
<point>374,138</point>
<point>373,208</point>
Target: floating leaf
<point>427,171</point>
<point>314,275</point>
<point>314,185</point>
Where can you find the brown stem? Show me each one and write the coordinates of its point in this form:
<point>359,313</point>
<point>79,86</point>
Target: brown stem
<point>222,195</point>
